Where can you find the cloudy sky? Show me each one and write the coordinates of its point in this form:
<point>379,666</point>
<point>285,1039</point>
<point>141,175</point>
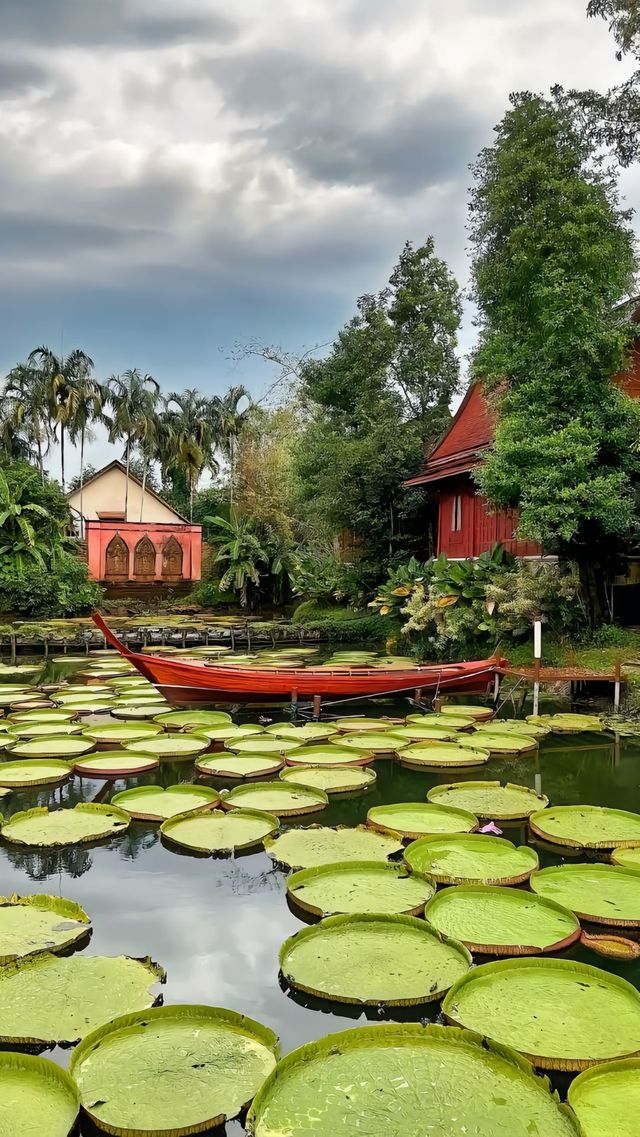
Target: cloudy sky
<point>178,176</point>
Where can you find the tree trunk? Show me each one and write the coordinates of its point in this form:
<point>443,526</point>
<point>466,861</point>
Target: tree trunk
<point>40,461</point>
<point>126,484</point>
<point>232,468</point>
<point>191,497</point>
<point>144,482</point>
<point>593,585</point>
<point>62,454</point>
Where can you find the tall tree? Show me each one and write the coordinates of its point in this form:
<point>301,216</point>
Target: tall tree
<point>553,255</point>
<point>229,421</point>
<point>133,399</point>
<point>25,428</point>
<point>188,437</point>
<point>62,378</point>
<point>624,21</point>
<point>91,397</point>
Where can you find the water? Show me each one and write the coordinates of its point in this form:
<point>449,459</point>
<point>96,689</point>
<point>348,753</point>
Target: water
<point>217,925</point>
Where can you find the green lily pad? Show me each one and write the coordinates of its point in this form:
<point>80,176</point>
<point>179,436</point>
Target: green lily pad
<point>178,720</point>
<point>448,721</point>
<point>599,894</point>
<point>239,766</point>
<point>99,707</point>
<point>471,858</point>
<point>276,797</point>
<point>490,799</point>
<point>227,731</point>
<point>502,921</point>
<point>567,723</point>
<point>134,712</point>
<point>373,959</point>
<point>468,710</point>
<point>514,726</point>
<point>629,858</point>
<point>409,1081</point>
<point>364,724</point>
<point>561,1014</point>
<point>56,747</point>
<point>152,803</point>
<point>500,742</point>
<point>414,819</point>
<point>33,924</point>
<point>328,754</point>
<point>586,826</point>
<point>51,999</point>
<point>172,1071</point>
<point>34,772</point>
<point>121,733</point>
<point>319,845</point>
<point>36,1097</point>
<point>260,744</point>
<point>310,732</point>
<point>217,833</point>
<point>45,729</point>
<point>86,821</point>
<point>360,887</point>
<point>440,755</point>
<point>374,742</point>
<point>331,779</point>
<point>416,733</point>
<point>179,747</point>
<point>7,697</point>
<point>54,715</point>
<point>606,1099</point>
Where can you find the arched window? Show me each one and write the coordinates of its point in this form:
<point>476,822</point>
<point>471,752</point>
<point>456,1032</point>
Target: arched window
<point>172,559</point>
<point>144,559</point>
<point>116,566</point>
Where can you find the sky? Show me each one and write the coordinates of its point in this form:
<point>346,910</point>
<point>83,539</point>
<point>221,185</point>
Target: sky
<point>179,177</point>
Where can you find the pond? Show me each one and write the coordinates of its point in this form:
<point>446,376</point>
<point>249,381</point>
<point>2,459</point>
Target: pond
<point>216,925</point>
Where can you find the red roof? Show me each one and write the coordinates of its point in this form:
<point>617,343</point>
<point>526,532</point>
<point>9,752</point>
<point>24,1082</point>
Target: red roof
<point>470,433</point>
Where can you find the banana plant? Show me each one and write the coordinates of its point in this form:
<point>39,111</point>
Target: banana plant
<point>401,582</point>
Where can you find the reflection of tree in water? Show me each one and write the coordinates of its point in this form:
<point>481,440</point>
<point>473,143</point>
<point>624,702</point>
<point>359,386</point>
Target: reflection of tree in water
<point>40,864</point>
<point>136,840</point>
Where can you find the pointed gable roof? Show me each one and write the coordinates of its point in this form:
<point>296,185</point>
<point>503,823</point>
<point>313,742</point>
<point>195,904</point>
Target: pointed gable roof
<point>458,451</point>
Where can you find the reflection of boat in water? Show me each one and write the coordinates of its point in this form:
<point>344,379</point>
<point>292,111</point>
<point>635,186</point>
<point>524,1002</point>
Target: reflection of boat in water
<point>183,682</point>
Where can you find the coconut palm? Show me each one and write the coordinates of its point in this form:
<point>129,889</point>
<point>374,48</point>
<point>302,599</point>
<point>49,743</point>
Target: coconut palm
<point>241,551</point>
<point>91,397</point>
<point>63,378</point>
<point>230,421</point>
<point>133,397</point>
<point>25,429</point>
<point>189,435</point>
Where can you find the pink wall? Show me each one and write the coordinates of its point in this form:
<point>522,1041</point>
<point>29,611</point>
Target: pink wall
<point>99,534</point>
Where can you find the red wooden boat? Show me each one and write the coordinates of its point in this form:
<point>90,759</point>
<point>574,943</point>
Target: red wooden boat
<point>184,683</point>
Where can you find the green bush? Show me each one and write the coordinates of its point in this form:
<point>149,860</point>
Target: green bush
<point>344,625</point>
<point>209,594</point>
<point>65,591</point>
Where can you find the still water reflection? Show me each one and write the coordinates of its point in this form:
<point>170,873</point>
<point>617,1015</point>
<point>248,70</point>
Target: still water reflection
<point>216,925</point>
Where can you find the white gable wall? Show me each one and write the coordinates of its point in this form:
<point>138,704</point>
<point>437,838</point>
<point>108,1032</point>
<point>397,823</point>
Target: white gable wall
<point>107,492</point>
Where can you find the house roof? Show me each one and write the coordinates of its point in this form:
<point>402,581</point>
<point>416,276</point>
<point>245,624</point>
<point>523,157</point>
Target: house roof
<point>117,464</point>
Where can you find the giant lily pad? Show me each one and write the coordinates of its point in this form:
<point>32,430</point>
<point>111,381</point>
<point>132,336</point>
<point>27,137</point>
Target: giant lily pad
<point>359,887</point>
<point>471,858</point>
<point>333,780</point>
<point>629,858</point>
<point>328,754</point>
<point>86,821</point>
<point>586,826</point>
<point>406,1080</point>
<point>501,742</point>
<point>33,924</point>
<point>179,747</point>
<point>310,732</point>
<point>279,798</point>
<point>91,707</point>
<point>318,845</point>
<point>260,744</point>
<point>37,1097</point>
<point>51,999</point>
<point>112,764</point>
<point>561,1014</point>
<point>448,721</point>
<point>413,732</point>
<point>567,723</point>
<point>373,959</point>
<point>362,724</point>
<point>44,729</point>
<point>468,710</point>
<point>440,755</point>
<point>227,731</point>
<point>152,803</point>
<point>599,894</point>
<point>34,772</point>
<point>239,766</point>
<point>606,1099</point>
<point>172,1071</point>
<point>8,696</point>
<point>514,726</point>
<point>66,747</point>
<point>490,799</point>
<point>217,832</point>
<point>502,921</point>
<point>54,715</point>
<point>121,733</point>
<point>373,742</point>
<point>178,720</point>
<point>135,712</point>
<point>414,819</point>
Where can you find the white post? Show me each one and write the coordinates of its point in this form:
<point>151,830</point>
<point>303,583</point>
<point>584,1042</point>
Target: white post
<point>537,657</point>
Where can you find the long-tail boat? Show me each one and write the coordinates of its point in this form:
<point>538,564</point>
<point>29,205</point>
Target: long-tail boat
<point>185,682</point>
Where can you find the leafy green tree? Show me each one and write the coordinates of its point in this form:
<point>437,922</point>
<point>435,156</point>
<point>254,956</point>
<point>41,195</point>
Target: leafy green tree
<point>229,421</point>
<point>64,380</point>
<point>187,437</point>
<point>624,22</point>
<point>553,254</point>
<point>133,399</point>
<point>240,552</point>
<point>25,426</point>
<point>34,518</point>
<point>19,536</point>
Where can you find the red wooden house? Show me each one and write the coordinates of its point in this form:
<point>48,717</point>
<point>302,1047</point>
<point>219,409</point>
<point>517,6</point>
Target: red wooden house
<point>466,525</point>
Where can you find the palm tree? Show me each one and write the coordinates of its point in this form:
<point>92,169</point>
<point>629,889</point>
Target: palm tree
<point>89,408</point>
<point>133,397</point>
<point>25,428</point>
<point>242,552</point>
<point>63,378</point>
<point>189,434</point>
<point>230,421</point>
